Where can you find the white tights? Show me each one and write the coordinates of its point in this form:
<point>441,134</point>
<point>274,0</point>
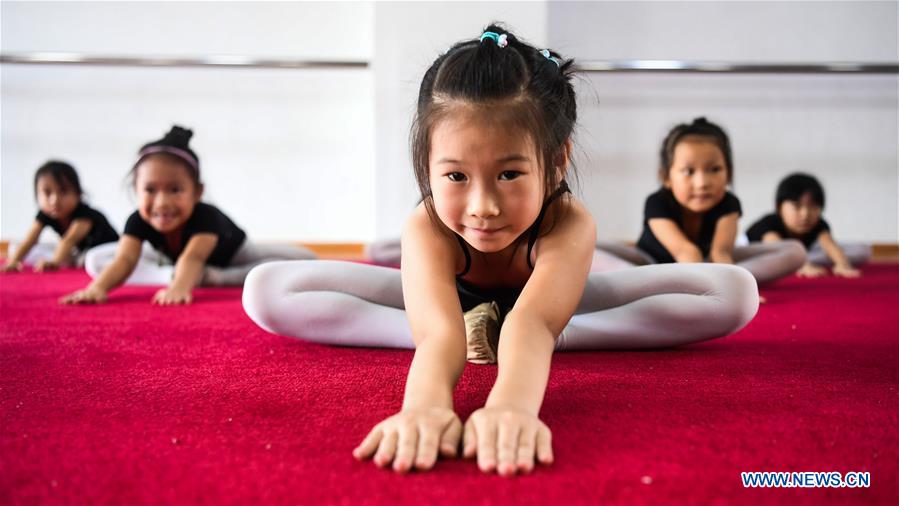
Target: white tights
<point>766,261</point>
<point>155,268</point>
<point>350,304</point>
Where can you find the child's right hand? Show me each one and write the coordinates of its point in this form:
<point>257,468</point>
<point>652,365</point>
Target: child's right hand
<point>12,267</point>
<point>810,270</point>
<point>412,438</point>
<point>89,295</point>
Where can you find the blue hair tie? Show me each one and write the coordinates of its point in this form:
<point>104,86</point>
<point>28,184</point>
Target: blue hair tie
<point>545,53</point>
<point>502,40</point>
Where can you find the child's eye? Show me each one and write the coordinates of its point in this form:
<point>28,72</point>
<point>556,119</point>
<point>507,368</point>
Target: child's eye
<point>456,177</point>
<point>714,170</point>
<point>508,175</point>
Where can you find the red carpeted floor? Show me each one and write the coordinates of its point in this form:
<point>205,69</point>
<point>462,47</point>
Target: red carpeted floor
<point>127,403</point>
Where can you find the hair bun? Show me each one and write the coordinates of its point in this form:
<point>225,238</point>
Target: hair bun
<point>700,121</point>
<point>178,136</point>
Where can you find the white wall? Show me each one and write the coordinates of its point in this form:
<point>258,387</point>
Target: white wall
<point>288,154</point>
<point>841,128</point>
<point>326,152</point>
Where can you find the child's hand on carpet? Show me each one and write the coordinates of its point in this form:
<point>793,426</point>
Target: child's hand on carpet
<point>170,296</point>
<point>45,266</point>
<point>506,440</point>
<point>412,438</point>
<point>88,295</point>
<point>810,270</point>
<point>13,267</point>
<point>846,271</point>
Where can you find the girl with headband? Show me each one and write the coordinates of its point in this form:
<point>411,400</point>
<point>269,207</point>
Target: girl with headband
<point>191,242</point>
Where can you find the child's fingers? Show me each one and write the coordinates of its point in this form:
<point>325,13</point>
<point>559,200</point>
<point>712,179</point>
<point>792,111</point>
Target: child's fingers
<point>428,441</point>
<point>386,449</point>
<point>487,435</point>
<point>368,445</point>
<point>544,445</point>
<point>469,440</point>
<point>405,448</point>
<point>449,440</point>
<point>526,447</point>
<point>507,448</point>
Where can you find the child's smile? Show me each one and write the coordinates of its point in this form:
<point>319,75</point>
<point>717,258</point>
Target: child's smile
<point>486,180</point>
<point>166,193</point>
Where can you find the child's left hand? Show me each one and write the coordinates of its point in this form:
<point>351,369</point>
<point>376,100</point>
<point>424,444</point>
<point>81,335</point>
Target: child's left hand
<point>506,439</point>
<point>170,296</point>
<point>45,266</point>
<point>846,271</point>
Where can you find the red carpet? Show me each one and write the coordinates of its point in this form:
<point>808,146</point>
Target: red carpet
<point>127,403</point>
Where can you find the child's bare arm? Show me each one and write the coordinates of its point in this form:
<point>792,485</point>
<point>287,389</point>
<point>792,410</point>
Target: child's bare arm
<point>722,250</point>
<point>426,425</point>
<point>771,236</point>
<point>841,264</point>
<point>188,270</point>
<point>77,231</point>
<point>674,240</point>
<point>507,433</point>
<point>126,257</point>
<point>15,262</point>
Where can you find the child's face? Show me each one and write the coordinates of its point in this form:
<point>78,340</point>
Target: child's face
<point>801,216</point>
<point>55,200</point>
<point>698,175</point>
<point>166,193</point>
<point>486,181</point>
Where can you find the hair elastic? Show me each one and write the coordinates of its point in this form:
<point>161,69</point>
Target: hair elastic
<point>502,40</point>
<point>545,53</point>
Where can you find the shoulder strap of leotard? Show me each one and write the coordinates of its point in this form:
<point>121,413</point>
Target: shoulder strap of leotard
<point>535,228</point>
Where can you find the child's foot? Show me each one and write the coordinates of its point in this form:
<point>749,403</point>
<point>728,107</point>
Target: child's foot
<point>482,333</point>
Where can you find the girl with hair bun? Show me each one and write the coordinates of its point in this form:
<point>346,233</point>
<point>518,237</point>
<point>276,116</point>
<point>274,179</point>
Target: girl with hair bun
<point>693,217</point>
<point>190,242</point>
<point>495,268</point>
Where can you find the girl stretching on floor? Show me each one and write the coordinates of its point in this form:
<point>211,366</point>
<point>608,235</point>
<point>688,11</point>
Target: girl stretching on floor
<point>80,227</point>
<point>496,255</point>
<point>799,201</point>
<point>204,245</point>
<point>693,217</point>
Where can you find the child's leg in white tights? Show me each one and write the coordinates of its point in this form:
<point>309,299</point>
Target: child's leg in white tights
<point>771,260</point>
<point>342,303</point>
<point>153,268</point>
<point>329,302</point>
<point>625,252</point>
<point>250,255</point>
<point>657,306</point>
<point>38,252</point>
<point>385,251</point>
<point>857,253</point>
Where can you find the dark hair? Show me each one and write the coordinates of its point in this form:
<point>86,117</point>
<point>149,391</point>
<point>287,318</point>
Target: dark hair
<point>517,82</point>
<point>794,186</point>
<point>61,172</point>
<point>700,127</point>
<point>173,145</point>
